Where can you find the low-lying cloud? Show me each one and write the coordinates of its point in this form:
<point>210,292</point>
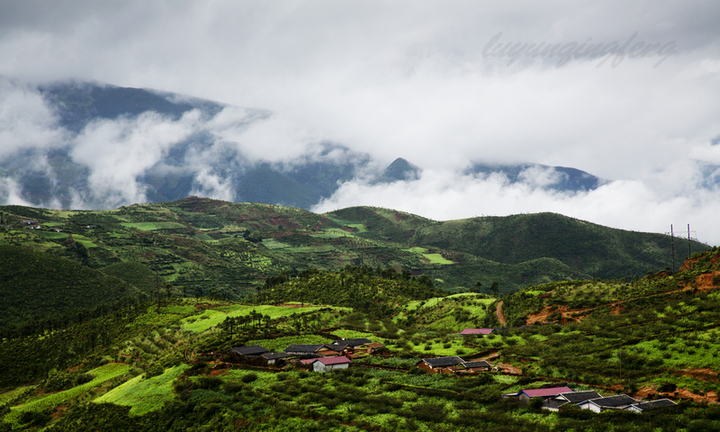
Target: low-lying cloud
<point>627,204</point>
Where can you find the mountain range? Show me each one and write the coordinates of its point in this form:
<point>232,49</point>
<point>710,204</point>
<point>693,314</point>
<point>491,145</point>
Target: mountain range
<point>107,146</point>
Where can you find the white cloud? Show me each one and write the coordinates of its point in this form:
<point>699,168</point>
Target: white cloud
<point>26,121</point>
<point>625,204</point>
<point>118,151</point>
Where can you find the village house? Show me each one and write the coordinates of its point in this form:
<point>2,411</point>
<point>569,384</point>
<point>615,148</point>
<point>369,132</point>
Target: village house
<point>247,354</point>
<point>311,351</point>
<point>554,404</point>
<point>477,331</point>
<point>476,366</point>
<point>326,364</point>
<point>644,406</point>
<point>275,358</point>
<point>440,364</point>
<point>524,396</point>
<point>608,403</point>
<point>452,364</point>
<point>373,348</point>
<point>251,350</point>
<point>342,344</point>
<point>350,346</point>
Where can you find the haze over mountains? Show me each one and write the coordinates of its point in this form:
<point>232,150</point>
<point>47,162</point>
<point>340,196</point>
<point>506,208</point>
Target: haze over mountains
<point>100,146</point>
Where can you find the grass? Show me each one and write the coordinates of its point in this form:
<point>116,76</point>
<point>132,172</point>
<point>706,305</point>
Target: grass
<point>198,324</point>
<point>436,258</point>
<point>102,374</point>
<point>353,334</point>
<point>146,395</point>
<point>9,396</point>
<point>279,344</point>
<point>152,226</point>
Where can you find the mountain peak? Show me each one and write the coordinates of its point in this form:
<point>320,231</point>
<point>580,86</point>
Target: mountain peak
<point>400,169</point>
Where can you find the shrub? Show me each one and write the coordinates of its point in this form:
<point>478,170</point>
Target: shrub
<point>249,378</point>
<point>84,378</point>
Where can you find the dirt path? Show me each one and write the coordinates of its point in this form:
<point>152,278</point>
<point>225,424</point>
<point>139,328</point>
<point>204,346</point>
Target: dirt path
<point>500,314</point>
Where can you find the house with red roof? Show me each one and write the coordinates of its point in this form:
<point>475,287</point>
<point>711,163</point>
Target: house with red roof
<point>524,396</point>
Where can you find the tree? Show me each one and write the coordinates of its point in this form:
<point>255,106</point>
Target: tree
<point>495,287</point>
<point>478,287</point>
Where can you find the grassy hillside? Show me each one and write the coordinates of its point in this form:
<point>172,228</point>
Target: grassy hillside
<point>587,248</point>
<point>35,285</point>
<point>203,245</point>
<point>165,368</point>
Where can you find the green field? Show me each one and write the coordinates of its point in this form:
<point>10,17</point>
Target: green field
<point>144,395</point>
<point>153,226</point>
<point>212,317</point>
<point>40,403</point>
<point>436,258</point>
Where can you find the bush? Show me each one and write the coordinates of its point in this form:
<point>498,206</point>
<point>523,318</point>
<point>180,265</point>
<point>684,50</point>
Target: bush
<point>249,378</point>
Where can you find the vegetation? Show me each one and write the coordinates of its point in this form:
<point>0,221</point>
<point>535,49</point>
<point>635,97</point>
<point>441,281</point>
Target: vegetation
<point>136,349</point>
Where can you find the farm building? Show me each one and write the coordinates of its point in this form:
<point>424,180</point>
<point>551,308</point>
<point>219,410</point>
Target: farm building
<point>608,403</point>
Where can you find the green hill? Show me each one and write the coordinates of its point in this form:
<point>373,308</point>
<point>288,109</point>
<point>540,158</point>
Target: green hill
<point>146,368</point>
<point>199,245</point>
<point>587,248</point>
<point>36,285</point>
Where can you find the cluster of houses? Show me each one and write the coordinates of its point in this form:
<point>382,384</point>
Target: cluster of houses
<point>317,357</point>
<point>453,364</point>
<point>555,397</point>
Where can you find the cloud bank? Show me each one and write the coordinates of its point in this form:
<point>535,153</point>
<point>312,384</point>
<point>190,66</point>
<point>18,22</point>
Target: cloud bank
<point>397,79</point>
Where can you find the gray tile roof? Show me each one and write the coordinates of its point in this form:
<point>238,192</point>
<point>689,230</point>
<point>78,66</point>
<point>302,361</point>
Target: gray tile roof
<point>580,396</point>
<point>654,404</point>
<point>614,401</point>
<point>443,361</point>
<point>249,350</point>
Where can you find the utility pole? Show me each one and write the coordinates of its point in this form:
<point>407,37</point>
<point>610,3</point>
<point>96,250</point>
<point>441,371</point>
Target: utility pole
<point>689,246</point>
<point>672,248</point>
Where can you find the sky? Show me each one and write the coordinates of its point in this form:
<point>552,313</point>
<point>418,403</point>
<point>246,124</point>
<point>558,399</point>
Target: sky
<point>628,92</point>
